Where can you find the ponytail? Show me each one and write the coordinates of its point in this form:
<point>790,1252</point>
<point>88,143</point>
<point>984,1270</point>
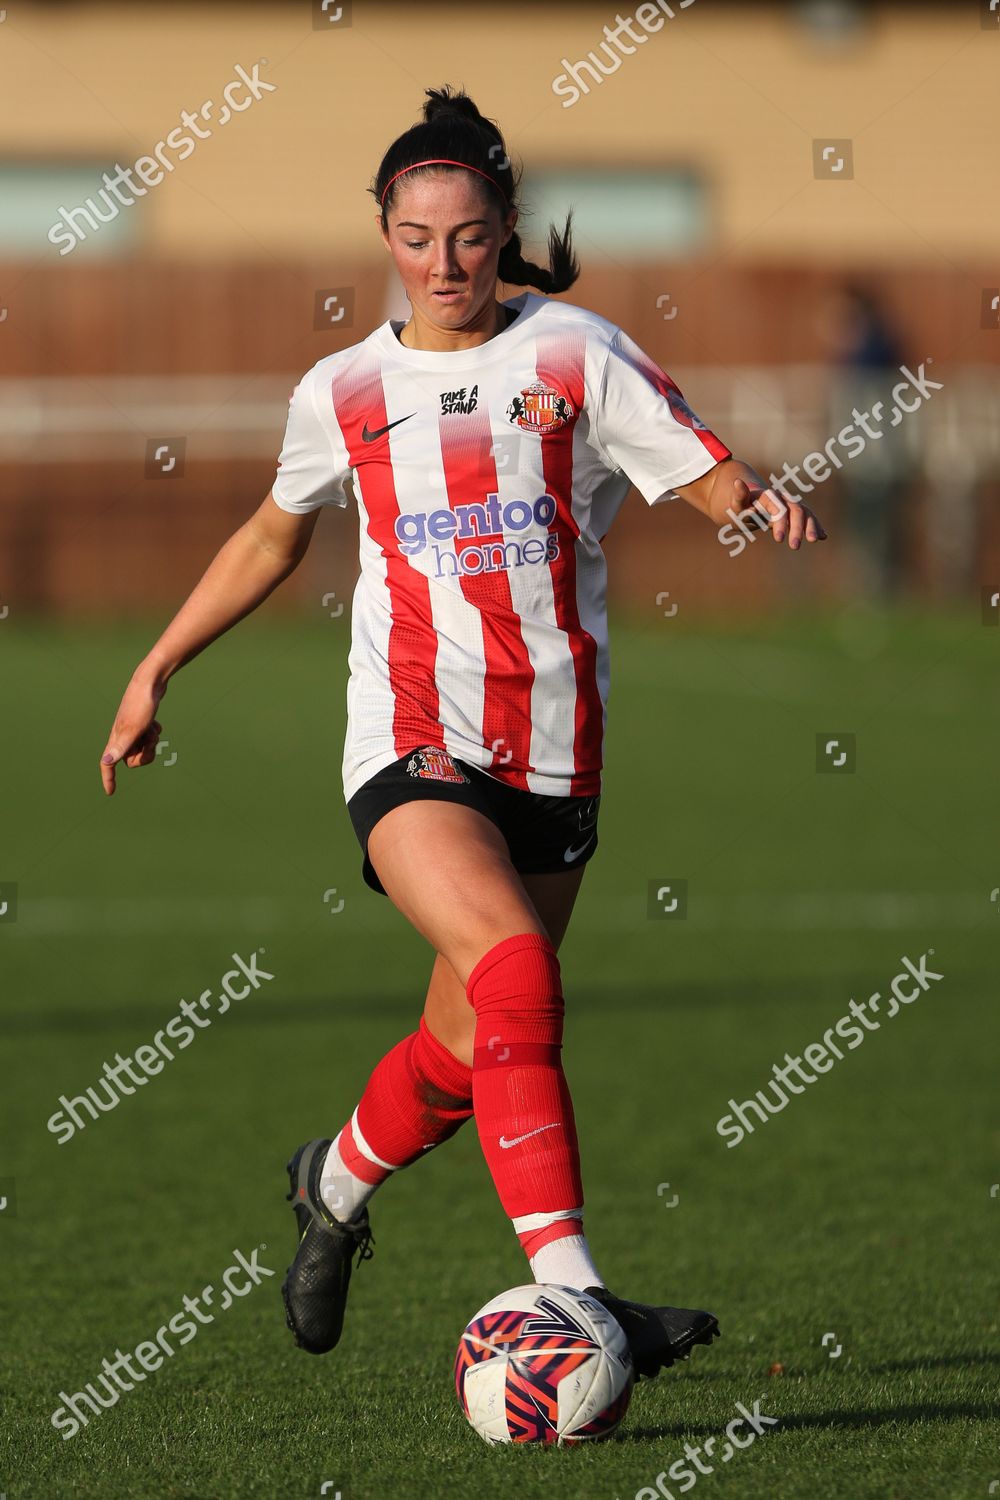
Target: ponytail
<point>561,272</point>
<point>453,134</point>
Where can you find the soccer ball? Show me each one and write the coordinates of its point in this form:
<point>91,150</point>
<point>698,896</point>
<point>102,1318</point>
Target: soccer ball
<point>544,1364</point>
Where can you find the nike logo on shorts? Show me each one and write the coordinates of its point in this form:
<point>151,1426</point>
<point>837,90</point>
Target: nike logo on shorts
<point>572,853</point>
<point>505,1144</point>
<point>367,436</point>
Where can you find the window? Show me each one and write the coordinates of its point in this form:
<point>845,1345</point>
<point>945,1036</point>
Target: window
<point>32,195</point>
<point>633,213</point>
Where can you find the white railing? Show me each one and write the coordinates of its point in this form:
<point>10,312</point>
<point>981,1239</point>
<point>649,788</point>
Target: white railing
<point>769,413</point>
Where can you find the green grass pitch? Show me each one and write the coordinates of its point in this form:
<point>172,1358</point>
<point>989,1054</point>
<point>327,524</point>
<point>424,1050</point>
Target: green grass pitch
<point>862,1212</point>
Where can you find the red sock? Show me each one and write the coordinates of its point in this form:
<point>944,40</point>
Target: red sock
<point>523,1109</point>
<point>418,1096</point>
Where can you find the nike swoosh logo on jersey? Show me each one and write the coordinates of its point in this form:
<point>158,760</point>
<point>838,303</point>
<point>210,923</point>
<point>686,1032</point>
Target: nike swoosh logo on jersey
<point>505,1144</point>
<point>571,853</point>
<point>370,437</point>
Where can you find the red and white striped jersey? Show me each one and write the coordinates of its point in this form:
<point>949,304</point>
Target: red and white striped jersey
<point>486,480</point>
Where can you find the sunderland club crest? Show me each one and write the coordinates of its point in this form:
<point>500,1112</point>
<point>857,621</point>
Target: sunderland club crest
<point>432,764</point>
<point>539,408</point>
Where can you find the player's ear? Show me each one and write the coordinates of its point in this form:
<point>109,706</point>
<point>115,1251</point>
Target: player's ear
<point>510,220</point>
<point>381,229</point>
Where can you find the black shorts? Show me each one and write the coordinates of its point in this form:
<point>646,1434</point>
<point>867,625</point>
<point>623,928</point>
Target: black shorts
<point>544,834</point>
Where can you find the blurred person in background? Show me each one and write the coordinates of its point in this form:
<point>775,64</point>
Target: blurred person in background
<point>874,483</point>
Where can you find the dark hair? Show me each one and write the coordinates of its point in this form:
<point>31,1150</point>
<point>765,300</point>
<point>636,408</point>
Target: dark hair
<point>454,129</point>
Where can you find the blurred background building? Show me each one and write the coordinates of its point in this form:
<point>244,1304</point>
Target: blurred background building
<point>782,203</point>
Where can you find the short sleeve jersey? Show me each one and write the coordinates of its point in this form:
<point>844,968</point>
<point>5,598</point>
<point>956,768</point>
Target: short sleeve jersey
<point>486,480</point>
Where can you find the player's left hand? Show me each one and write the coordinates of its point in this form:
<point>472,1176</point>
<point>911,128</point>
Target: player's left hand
<point>787,519</point>
<point>136,731</point>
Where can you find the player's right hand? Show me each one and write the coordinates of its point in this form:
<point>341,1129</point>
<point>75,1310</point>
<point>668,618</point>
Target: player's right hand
<point>135,732</point>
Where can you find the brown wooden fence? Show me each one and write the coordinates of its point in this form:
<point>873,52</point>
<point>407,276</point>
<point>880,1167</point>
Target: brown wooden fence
<point>82,529</point>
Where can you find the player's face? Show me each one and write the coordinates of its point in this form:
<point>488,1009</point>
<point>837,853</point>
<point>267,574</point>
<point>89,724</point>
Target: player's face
<point>445,236</point>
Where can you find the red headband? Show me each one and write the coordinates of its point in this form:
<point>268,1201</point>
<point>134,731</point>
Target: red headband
<point>438,161</point>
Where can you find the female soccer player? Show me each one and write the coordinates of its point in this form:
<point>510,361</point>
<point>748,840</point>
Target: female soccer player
<point>489,445</point>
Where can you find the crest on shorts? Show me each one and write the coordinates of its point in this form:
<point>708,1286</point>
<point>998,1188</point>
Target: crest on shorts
<point>432,764</point>
<point>539,408</point>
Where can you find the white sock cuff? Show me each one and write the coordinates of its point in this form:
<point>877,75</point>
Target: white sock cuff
<point>528,1223</point>
<point>364,1147</point>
